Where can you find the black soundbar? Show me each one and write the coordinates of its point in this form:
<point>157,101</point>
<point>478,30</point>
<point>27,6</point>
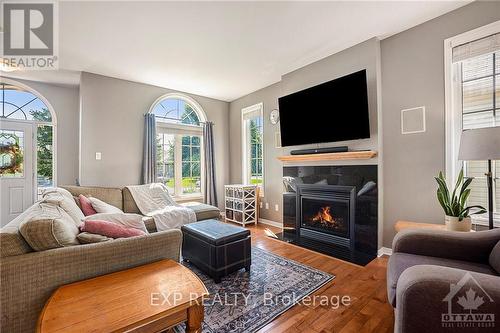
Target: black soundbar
<point>340,149</point>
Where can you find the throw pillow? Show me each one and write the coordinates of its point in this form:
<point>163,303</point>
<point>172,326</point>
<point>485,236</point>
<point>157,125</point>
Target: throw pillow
<point>109,229</point>
<point>88,238</point>
<point>103,207</point>
<point>51,228</point>
<point>127,220</point>
<point>61,198</point>
<point>86,205</point>
<point>58,190</point>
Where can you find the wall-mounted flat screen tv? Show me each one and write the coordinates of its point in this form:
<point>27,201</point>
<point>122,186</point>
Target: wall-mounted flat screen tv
<point>333,111</point>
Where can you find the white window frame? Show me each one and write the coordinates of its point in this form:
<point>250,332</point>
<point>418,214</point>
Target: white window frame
<point>256,108</point>
<point>178,130</point>
<point>35,124</point>
<point>453,114</point>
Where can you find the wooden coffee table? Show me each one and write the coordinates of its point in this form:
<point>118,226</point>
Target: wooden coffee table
<point>149,298</point>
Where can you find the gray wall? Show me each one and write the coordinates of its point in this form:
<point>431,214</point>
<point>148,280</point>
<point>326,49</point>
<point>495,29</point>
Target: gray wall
<point>361,56</point>
<point>112,123</point>
<point>64,100</point>
<point>413,75</point>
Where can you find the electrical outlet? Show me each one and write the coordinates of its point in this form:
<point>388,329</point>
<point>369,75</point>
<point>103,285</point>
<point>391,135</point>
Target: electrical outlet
<point>98,156</point>
<point>276,207</point>
<point>267,205</point>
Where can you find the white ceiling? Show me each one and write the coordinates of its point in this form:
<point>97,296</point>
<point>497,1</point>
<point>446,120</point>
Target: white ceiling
<point>222,50</point>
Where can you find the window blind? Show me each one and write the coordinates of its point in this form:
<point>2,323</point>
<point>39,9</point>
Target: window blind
<point>476,48</point>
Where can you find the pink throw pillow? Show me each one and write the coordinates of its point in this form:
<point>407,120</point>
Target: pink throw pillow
<point>86,205</point>
<point>109,229</point>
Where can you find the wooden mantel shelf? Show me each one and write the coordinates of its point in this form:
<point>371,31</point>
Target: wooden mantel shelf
<point>350,155</point>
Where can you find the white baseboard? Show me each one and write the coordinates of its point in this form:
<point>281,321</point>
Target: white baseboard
<point>271,223</point>
<point>384,251</point>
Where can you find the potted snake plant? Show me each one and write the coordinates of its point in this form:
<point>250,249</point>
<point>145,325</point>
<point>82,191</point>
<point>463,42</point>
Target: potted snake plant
<point>457,213</point>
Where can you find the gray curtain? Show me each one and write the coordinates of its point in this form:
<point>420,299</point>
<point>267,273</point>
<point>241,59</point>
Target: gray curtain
<point>149,156</point>
<point>210,193</point>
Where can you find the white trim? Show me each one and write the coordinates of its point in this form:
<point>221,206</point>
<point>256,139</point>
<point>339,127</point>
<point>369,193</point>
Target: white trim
<point>186,99</point>
<point>53,123</point>
<point>423,120</point>
<point>271,223</point>
<point>177,130</point>
<point>451,146</point>
<point>384,251</point>
<point>244,156</point>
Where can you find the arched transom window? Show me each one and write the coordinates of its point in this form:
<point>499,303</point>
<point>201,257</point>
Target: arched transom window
<point>179,122</point>
<point>20,105</point>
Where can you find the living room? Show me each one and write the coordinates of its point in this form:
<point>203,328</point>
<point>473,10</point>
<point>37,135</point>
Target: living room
<point>250,166</point>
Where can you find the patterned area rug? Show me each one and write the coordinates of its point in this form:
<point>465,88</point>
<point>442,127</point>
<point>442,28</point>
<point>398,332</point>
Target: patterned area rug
<point>246,301</point>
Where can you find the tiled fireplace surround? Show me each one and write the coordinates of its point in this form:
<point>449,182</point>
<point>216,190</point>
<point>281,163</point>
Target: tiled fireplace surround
<point>332,209</point>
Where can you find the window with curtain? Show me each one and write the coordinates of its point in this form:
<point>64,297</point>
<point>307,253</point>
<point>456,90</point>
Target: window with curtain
<point>179,145</point>
<point>253,138</point>
<point>476,104</point>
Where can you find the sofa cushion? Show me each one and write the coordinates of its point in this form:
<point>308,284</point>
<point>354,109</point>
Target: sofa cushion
<point>110,195</point>
<point>494,258</point>
<point>129,205</point>
<point>399,261</point>
<point>51,228</point>
<point>89,238</point>
<point>203,211</point>
<point>149,222</point>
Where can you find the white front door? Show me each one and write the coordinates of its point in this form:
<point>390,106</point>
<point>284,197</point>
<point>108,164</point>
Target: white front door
<point>16,168</point>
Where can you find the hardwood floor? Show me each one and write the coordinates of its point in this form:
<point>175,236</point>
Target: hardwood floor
<point>369,310</point>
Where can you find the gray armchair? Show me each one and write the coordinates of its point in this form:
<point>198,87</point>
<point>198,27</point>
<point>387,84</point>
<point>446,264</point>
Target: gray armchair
<point>440,280</point>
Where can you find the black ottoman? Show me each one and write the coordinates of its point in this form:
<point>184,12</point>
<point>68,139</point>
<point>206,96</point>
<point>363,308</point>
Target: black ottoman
<point>216,248</point>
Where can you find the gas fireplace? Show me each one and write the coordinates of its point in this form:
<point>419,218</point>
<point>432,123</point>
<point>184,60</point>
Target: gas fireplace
<point>328,216</point>
<point>326,213</point>
<point>332,210</point>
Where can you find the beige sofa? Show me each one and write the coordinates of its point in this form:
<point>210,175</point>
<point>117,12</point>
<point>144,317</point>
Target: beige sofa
<point>29,277</point>
<point>121,198</point>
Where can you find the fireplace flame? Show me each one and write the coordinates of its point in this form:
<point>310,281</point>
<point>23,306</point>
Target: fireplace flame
<point>324,216</point>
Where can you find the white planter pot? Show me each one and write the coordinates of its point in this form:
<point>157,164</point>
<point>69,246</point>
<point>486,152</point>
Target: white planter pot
<point>453,224</point>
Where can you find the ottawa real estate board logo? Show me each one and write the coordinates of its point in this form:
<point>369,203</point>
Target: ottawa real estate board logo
<point>29,35</point>
<point>467,305</point>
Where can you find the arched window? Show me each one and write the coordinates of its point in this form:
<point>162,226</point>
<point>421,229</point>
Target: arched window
<point>26,136</point>
<point>179,130</point>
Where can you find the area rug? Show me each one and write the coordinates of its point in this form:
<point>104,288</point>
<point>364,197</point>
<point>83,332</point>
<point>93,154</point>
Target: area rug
<point>247,301</point>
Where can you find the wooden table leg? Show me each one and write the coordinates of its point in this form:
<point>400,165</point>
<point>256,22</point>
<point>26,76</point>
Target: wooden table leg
<point>195,318</point>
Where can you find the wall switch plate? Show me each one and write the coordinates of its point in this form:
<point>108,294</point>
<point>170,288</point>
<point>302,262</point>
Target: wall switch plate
<point>267,205</point>
<point>276,207</point>
<point>260,204</point>
<point>98,156</point>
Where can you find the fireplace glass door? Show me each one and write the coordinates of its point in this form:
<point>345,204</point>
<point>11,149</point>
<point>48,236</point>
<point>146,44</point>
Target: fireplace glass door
<point>326,215</point>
